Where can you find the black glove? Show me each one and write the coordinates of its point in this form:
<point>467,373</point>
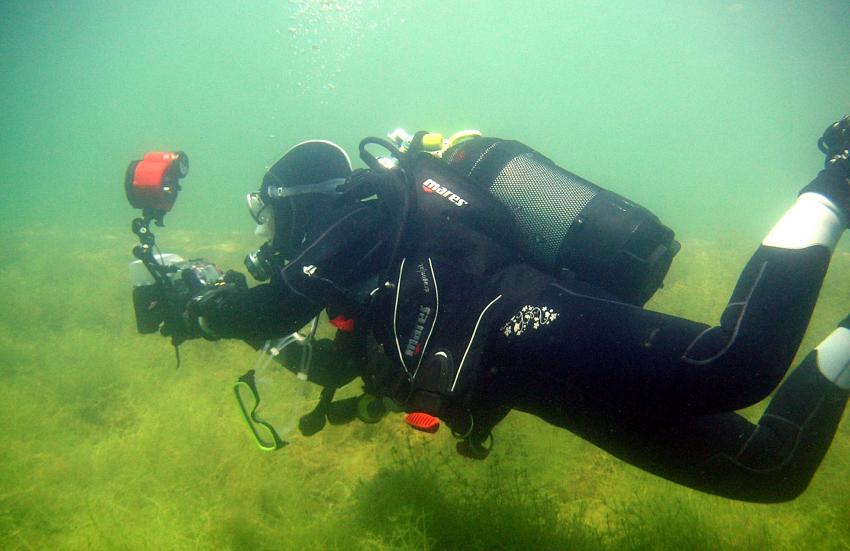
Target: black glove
<point>185,314</point>
<point>235,279</point>
<point>202,307</point>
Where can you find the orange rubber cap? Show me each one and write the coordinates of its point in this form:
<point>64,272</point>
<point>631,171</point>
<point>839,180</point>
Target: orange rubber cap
<point>422,421</point>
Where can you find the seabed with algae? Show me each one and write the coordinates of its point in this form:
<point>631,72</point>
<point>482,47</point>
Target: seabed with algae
<point>107,446</point>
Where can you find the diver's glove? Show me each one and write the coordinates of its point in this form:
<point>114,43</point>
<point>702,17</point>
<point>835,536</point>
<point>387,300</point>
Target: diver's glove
<point>202,309</point>
<point>833,182</point>
<point>187,315</point>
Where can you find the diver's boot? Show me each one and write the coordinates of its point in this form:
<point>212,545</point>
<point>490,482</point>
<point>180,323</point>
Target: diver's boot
<point>835,144</point>
<point>833,182</point>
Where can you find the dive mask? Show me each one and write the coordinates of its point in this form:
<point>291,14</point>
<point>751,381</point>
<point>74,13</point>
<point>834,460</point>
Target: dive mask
<point>327,187</point>
<point>259,210</point>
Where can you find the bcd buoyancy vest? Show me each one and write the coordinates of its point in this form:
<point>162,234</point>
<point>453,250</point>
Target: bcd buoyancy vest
<point>439,302</point>
<point>486,206</point>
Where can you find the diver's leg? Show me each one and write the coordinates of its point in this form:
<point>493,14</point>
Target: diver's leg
<point>770,308</point>
<point>593,345</point>
<point>725,454</point>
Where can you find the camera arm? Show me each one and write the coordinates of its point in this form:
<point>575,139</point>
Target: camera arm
<point>144,251</point>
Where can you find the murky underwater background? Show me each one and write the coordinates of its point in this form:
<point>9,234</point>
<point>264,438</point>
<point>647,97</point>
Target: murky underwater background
<point>706,112</point>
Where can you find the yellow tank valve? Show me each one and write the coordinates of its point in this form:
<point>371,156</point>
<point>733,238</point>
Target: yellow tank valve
<point>432,142</point>
<point>463,135</point>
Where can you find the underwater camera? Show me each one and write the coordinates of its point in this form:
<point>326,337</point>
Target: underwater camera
<point>159,280</point>
<point>152,300</point>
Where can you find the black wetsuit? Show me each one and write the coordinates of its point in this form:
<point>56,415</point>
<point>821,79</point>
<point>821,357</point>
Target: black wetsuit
<point>653,389</point>
<point>657,391</point>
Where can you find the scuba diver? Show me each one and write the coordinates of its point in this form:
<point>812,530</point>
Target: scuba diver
<point>471,276</point>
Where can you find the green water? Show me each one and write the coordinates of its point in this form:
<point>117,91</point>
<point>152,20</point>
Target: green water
<point>705,112</point>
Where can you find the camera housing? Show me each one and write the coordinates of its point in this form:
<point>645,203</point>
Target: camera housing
<point>153,302</point>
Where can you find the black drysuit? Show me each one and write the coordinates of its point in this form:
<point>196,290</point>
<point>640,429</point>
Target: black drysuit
<point>655,390</point>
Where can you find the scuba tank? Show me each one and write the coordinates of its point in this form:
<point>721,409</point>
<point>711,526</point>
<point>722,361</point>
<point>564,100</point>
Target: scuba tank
<point>566,225</point>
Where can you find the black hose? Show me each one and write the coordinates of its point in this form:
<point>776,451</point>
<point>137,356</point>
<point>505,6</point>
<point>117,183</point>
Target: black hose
<point>372,161</point>
<point>407,193</point>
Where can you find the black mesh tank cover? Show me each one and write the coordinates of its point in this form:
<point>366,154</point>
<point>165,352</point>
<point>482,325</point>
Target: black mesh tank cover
<point>566,224</point>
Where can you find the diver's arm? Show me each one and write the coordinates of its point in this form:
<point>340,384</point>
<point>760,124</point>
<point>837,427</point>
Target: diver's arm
<point>262,312</point>
<point>345,246</point>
